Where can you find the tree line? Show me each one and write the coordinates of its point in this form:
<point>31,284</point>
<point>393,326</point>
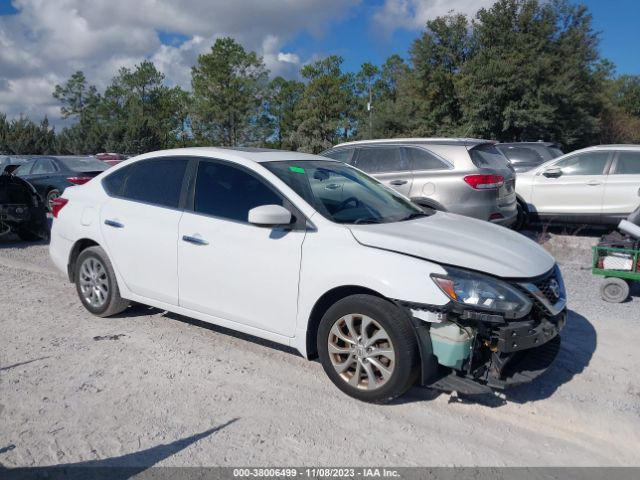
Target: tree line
<point>522,70</point>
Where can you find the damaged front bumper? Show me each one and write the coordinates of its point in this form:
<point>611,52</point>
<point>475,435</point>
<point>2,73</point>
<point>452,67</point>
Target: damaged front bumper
<point>501,353</point>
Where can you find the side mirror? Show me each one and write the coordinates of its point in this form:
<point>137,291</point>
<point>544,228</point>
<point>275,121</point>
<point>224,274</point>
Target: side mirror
<point>552,172</point>
<point>269,216</point>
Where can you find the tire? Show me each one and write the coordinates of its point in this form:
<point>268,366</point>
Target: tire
<point>96,283</point>
<point>341,362</point>
<point>614,290</point>
<point>51,196</point>
<point>522,218</point>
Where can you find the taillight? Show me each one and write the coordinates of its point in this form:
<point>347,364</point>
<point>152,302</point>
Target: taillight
<point>484,182</point>
<point>79,180</point>
<point>57,204</point>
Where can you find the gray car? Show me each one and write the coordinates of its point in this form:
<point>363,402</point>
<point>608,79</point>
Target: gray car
<point>465,176</point>
<point>525,156</point>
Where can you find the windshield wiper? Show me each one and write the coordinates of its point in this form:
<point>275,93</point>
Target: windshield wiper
<point>361,221</point>
<point>414,215</point>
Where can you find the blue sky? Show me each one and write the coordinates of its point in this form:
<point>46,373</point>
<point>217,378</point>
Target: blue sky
<point>43,42</point>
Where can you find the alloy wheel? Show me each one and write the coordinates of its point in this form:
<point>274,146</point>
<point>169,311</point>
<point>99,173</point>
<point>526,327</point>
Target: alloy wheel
<point>361,351</point>
<point>94,282</point>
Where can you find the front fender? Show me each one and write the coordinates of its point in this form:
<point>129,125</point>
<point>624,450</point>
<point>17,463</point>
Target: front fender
<point>347,262</point>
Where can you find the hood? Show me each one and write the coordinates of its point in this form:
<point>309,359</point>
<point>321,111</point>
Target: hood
<point>462,242</point>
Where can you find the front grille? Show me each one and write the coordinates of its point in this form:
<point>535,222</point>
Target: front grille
<point>547,292</point>
<point>550,288</point>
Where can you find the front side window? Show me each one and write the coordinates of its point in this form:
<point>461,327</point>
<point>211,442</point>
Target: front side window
<point>380,160</point>
<point>229,192</point>
<point>590,163</point>
<point>342,193</point>
<point>158,181</point>
<point>628,163</point>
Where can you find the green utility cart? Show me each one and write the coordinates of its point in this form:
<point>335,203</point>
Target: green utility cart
<point>619,267</point>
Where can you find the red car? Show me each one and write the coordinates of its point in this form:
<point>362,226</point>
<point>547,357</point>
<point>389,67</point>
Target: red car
<point>111,158</point>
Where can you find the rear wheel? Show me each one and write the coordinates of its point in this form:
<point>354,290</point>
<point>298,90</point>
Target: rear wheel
<point>96,283</point>
<point>522,219</point>
<point>51,196</point>
<point>368,348</point>
<point>614,290</point>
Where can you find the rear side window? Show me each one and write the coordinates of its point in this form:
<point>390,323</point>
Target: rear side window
<point>228,192</point>
<point>380,160</point>
<point>157,181</point>
<point>43,166</point>
<point>488,156</point>
<point>420,159</point>
<point>628,163</point>
<point>590,163</point>
<point>343,154</point>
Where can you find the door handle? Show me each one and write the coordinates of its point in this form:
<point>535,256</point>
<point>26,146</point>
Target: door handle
<point>398,182</point>
<point>194,240</point>
<point>594,183</point>
<point>332,186</point>
<point>113,223</point>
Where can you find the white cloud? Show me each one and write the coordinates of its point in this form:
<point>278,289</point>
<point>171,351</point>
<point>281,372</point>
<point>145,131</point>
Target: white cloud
<point>50,39</point>
<point>414,14</point>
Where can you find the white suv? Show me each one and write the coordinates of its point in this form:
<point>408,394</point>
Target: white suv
<point>312,253</point>
<point>595,185</point>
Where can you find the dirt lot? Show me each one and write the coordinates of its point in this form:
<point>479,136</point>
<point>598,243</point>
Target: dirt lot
<point>151,387</point>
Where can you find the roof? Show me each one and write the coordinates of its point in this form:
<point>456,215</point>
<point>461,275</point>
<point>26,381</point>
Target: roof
<point>467,142</point>
<point>230,153</point>
<point>620,146</point>
<point>515,144</point>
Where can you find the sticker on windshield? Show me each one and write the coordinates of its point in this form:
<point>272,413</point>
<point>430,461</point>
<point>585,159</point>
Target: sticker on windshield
<point>296,169</point>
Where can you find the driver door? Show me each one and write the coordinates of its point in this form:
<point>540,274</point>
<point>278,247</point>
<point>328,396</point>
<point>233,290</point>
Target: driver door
<point>577,190</point>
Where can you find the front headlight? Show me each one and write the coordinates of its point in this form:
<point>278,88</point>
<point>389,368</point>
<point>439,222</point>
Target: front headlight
<point>483,292</point>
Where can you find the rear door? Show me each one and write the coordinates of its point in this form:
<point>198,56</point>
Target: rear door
<point>428,172</point>
<point>622,187</point>
<point>387,164</point>
<point>578,191</point>
<point>140,225</point>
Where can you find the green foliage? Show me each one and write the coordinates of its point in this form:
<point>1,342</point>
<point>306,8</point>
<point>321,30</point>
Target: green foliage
<point>325,111</point>
<point>229,86</point>
<point>533,74</point>
<point>283,97</point>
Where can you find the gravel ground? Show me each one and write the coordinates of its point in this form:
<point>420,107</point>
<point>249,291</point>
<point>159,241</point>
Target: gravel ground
<point>150,387</point>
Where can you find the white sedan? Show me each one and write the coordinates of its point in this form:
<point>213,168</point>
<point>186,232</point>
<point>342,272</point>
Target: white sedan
<point>310,252</point>
<point>595,185</point>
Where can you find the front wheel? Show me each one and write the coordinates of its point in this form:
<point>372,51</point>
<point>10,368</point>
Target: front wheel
<point>368,348</point>
<point>96,283</point>
<point>614,290</point>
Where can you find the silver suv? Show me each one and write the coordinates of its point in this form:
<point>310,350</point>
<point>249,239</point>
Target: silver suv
<point>465,176</point>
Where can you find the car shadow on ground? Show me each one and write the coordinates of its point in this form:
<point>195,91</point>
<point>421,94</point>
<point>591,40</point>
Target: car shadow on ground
<point>113,468</point>
<point>579,342</point>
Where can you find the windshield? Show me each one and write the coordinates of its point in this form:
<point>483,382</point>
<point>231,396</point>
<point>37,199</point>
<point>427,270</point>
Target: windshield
<point>343,194</point>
